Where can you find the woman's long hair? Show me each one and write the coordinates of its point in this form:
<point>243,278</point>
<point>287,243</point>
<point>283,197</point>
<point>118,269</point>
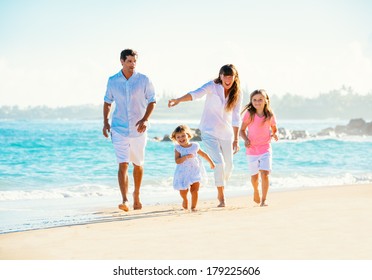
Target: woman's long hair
<point>234,91</point>
<point>268,112</point>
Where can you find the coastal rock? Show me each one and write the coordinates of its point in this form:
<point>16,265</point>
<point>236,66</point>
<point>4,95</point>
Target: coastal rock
<point>166,138</point>
<point>195,132</point>
<point>368,128</point>
<point>284,133</point>
<point>340,129</point>
<point>354,127</point>
<point>299,134</point>
<point>287,134</point>
<point>329,131</point>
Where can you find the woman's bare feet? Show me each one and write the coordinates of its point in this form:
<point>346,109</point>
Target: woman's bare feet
<point>222,203</point>
<point>263,203</point>
<point>137,206</point>
<point>221,196</point>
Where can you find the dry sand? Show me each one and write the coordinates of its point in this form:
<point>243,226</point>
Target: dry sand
<point>324,223</point>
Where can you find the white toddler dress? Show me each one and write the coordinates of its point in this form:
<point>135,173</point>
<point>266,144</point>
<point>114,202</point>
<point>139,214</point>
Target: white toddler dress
<point>191,170</point>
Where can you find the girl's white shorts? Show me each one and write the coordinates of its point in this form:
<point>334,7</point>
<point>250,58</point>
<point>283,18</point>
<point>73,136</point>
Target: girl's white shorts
<point>259,162</point>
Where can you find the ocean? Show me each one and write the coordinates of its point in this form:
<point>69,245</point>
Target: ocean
<point>63,172</point>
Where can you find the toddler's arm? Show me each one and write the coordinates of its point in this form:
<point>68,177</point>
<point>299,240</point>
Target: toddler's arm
<point>207,158</point>
<point>180,159</point>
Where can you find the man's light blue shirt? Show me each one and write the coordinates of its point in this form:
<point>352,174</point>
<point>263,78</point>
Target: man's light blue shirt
<point>131,98</point>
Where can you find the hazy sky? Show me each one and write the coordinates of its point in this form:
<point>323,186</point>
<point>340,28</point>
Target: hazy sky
<point>60,53</point>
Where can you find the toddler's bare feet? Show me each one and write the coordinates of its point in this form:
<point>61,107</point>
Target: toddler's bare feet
<point>256,197</point>
<point>194,210</point>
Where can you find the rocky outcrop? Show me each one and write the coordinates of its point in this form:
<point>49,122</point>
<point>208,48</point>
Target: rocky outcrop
<point>354,127</point>
<point>195,132</point>
<point>287,134</point>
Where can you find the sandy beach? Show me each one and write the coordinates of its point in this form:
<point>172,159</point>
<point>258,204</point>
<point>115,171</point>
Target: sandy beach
<point>323,223</point>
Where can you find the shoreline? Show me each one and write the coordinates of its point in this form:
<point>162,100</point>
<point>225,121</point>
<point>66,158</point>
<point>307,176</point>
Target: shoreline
<point>100,211</point>
<point>329,222</point>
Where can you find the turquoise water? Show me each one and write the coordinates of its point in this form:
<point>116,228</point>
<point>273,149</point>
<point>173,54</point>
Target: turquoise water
<point>64,172</point>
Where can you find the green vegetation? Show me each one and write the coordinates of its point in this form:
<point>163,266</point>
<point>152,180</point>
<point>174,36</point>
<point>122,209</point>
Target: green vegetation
<point>342,103</point>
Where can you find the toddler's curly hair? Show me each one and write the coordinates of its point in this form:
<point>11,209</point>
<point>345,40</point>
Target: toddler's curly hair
<point>181,128</point>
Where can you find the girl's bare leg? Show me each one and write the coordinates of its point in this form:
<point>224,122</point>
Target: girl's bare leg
<point>265,186</point>
<point>183,194</point>
<point>256,194</point>
<point>194,189</point>
<point>221,196</point>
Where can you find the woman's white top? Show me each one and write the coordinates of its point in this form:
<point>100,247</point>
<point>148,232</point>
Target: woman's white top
<point>215,120</point>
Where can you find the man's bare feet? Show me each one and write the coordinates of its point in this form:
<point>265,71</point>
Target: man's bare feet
<point>256,197</point>
<point>194,210</point>
<point>137,205</point>
<point>124,206</point>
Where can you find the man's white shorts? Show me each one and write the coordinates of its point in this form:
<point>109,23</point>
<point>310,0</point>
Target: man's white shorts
<point>129,149</point>
<point>259,162</point>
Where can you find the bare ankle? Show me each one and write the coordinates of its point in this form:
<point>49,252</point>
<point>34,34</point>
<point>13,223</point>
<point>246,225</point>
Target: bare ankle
<point>263,203</point>
<point>185,204</point>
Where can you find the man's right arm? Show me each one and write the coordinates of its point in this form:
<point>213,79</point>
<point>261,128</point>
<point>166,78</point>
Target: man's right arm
<point>106,125</point>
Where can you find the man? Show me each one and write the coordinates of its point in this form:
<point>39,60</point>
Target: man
<point>134,97</point>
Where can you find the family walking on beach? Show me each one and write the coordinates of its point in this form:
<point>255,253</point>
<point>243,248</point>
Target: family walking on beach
<point>220,125</point>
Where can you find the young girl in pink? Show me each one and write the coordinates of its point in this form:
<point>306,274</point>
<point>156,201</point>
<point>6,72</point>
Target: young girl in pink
<point>258,126</point>
<point>189,169</point>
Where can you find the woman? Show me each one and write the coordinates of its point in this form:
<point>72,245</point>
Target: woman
<point>220,121</point>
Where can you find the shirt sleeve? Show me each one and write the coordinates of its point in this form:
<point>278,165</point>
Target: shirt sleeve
<point>246,116</point>
<point>197,146</point>
<point>200,92</point>
<point>108,96</point>
<point>236,120</point>
<point>150,92</point>
<point>177,148</point>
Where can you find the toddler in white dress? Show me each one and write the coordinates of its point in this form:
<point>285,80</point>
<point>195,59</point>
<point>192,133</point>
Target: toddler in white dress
<point>189,170</point>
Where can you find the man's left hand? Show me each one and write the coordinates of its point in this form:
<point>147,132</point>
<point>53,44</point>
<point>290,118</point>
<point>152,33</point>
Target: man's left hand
<point>141,126</point>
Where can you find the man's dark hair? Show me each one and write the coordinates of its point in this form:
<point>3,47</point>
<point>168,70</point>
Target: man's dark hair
<point>126,53</point>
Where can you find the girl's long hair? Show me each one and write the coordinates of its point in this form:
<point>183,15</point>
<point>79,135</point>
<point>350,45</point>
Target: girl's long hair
<point>268,112</point>
<point>234,91</point>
